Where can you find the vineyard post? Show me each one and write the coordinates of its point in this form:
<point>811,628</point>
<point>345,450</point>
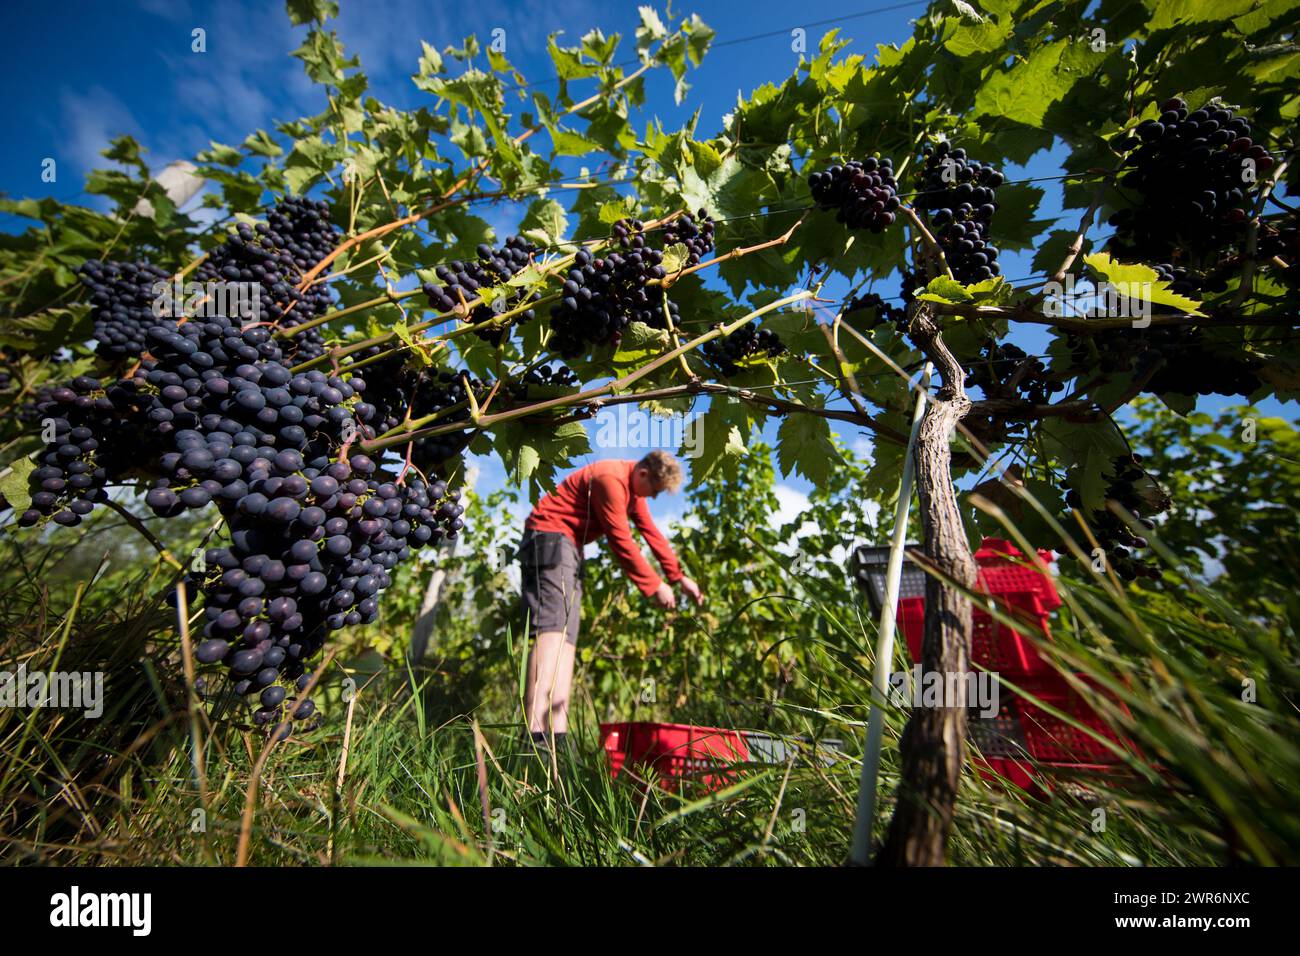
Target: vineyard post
<point>423,629</point>
<point>861,852</point>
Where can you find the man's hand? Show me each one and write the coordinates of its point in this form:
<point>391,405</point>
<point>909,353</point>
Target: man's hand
<point>692,589</point>
<point>665,597</point>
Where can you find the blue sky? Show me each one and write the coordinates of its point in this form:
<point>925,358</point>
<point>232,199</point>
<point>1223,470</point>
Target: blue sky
<point>78,73</point>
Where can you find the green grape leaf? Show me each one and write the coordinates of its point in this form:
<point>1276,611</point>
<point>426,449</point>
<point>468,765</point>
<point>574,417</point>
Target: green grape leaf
<point>418,347</point>
<point>311,11</point>
<point>675,258</point>
<point>943,289</point>
<point>1169,13</point>
<point>220,153</point>
<point>1088,451</point>
<point>14,484</point>
<point>804,447</point>
<point>1137,281</point>
<point>723,442</point>
<point>545,223</point>
<point>1023,93</point>
<point>569,143</point>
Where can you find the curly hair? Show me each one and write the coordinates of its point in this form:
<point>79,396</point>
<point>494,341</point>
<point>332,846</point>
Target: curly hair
<point>664,469</point>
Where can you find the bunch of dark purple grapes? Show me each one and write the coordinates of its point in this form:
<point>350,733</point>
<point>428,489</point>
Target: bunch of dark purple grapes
<point>1194,173</point>
<point>695,234</point>
<point>873,312</point>
<point>1199,368</point>
<point>223,424</point>
<point>747,341</point>
<point>463,280</point>
<point>311,550</point>
<point>90,442</point>
<point>1170,359</point>
<point>124,304</point>
<point>1186,282</point>
<point>546,376</point>
<point>218,418</point>
<point>959,197</point>
<point>392,388</point>
<point>388,384</point>
<point>602,296</point>
<point>863,192</point>
<point>275,254</point>
<point>1281,241</point>
<point>1005,371</point>
<point>210,399</point>
<point>1112,534</point>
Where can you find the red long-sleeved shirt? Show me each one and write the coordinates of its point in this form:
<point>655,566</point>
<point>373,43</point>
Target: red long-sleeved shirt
<point>597,500</point>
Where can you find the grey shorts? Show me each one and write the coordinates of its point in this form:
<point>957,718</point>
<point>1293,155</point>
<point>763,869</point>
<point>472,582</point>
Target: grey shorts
<point>551,598</point>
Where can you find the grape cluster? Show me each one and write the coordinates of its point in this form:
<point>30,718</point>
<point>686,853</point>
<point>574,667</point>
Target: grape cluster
<point>388,384</point>
<point>1178,360</point>
<point>1199,369</point>
<point>122,304</point>
<point>1188,169</point>
<point>431,452</point>
<point>71,475</point>
<point>959,197</point>
<point>463,280</point>
<point>695,235</point>
<point>275,254</point>
<point>601,296</point>
<point>1112,534</point>
<point>236,417</point>
<point>1283,241</point>
<point>310,552</point>
<point>876,312</point>
<point>1005,371</point>
<point>863,191</point>
<point>546,376</point>
<point>1186,282</point>
<point>393,388</point>
<point>217,417</point>
<point>726,352</point>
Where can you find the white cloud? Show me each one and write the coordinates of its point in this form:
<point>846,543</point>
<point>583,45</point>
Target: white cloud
<point>241,83</point>
<point>790,504</point>
<point>90,118</point>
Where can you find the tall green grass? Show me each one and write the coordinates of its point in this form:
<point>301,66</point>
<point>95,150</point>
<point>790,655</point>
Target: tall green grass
<point>1211,781</point>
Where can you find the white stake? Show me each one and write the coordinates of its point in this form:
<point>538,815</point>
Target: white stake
<point>861,855</point>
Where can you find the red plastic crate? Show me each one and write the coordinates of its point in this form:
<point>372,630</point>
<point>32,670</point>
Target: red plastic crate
<point>1037,779</point>
<point>1051,739</point>
<point>1024,740</point>
<point>1004,569</point>
<point>675,752</point>
<point>994,645</point>
<point>1018,592</point>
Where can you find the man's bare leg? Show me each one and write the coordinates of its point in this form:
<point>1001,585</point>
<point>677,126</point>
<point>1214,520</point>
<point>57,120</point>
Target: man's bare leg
<point>550,682</point>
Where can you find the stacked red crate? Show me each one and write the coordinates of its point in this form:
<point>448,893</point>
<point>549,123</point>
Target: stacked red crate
<point>1023,735</point>
<point>1018,591</point>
